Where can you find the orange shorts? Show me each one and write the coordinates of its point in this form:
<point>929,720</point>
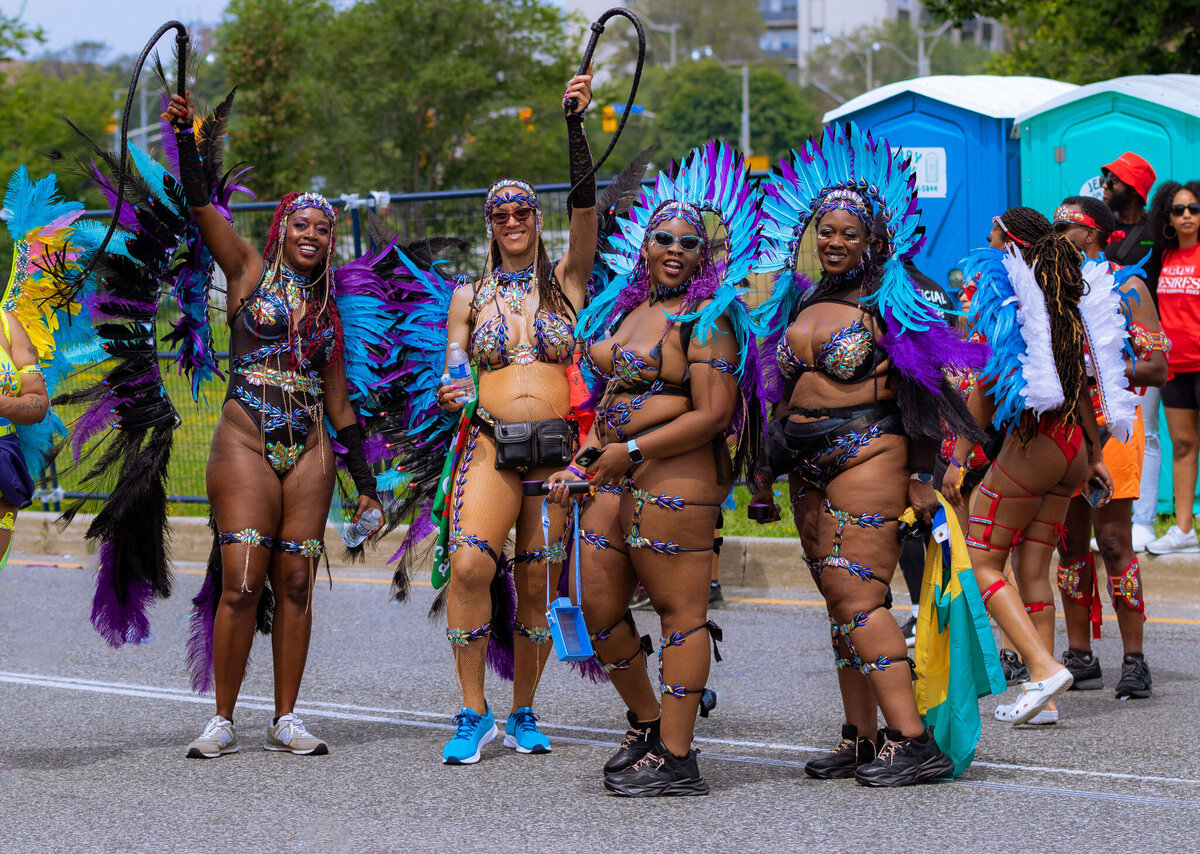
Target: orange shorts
<point>1124,461</point>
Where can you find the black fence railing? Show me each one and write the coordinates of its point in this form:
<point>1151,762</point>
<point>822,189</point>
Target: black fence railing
<point>412,216</point>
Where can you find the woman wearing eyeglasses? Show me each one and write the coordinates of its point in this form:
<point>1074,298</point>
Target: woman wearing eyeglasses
<point>673,348</point>
<point>1175,216</point>
<point>516,324</point>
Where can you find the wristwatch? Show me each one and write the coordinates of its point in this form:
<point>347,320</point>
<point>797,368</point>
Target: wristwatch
<point>922,476</point>
<point>635,454</point>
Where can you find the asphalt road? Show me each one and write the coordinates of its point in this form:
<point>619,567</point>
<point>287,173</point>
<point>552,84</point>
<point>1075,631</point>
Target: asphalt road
<point>92,755</point>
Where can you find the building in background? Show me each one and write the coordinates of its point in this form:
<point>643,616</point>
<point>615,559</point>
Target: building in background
<point>795,28</point>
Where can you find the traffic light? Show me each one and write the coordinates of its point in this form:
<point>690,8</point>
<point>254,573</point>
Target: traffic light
<point>525,114</point>
<point>608,121</point>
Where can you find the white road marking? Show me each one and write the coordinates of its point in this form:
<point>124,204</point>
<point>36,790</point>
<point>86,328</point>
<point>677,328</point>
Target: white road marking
<point>440,721</point>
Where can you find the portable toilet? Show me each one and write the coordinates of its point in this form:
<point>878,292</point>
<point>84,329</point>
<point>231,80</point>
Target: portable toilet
<point>1065,141</point>
<point>958,130</point>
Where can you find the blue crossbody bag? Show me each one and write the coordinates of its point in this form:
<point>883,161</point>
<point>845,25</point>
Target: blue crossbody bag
<point>564,617</point>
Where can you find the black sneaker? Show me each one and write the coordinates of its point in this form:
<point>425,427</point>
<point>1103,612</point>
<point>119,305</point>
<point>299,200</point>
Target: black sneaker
<point>1015,670</point>
<point>905,762</point>
<point>639,740</point>
<point>657,774</point>
<point>1135,678</point>
<point>714,593</point>
<point>910,632</point>
<point>840,762</point>
<point>1084,667</point>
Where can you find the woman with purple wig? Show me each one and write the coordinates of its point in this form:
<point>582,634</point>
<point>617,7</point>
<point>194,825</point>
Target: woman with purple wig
<point>672,346</point>
<point>858,367</point>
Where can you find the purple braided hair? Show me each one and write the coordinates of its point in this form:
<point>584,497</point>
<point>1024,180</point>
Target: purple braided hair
<point>705,279</point>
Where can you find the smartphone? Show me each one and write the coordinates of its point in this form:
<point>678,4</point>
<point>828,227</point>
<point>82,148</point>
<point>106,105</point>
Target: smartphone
<point>762,512</point>
<point>1097,493</point>
<point>587,456</point>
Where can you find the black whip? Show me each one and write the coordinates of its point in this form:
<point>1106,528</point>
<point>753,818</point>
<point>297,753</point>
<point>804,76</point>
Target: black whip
<point>597,29</point>
<point>181,49</point>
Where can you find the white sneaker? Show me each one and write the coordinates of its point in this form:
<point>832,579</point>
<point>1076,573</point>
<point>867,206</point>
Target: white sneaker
<point>1175,542</point>
<point>289,734</point>
<point>1143,535</point>
<point>218,738</point>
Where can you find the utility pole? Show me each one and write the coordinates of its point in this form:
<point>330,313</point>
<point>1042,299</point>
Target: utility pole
<point>745,141</point>
<point>803,37</point>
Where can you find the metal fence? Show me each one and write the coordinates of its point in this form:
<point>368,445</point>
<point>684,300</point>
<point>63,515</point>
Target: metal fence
<point>412,216</point>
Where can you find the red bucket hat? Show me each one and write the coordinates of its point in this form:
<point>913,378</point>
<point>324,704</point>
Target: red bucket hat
<point>1135,171</point>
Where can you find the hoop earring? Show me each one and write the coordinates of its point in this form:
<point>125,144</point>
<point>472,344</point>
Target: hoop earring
<point>1174,234</point>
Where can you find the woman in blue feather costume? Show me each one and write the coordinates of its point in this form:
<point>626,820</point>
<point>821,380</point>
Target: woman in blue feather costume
<point>858,363</point>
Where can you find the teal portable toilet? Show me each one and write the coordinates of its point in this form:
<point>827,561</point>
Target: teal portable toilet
<point>958,129</point>
<point>1065,141</point>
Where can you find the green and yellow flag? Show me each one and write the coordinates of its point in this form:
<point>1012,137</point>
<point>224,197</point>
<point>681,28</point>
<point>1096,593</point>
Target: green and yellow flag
<point>955,653</point>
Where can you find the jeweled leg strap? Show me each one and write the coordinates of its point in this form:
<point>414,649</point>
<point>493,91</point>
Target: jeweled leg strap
<point>645,645</point>
<point>678,691</point>
<point>982,540</point>
<point>1126,588</point>
<point>310,549</point>
<point>537,635</point>
<point>872,521</point>
<point>842,630</point>
<point>1079,584</point>
<point>462,637</point>
<point>251,538</point>
<point>667,502</point>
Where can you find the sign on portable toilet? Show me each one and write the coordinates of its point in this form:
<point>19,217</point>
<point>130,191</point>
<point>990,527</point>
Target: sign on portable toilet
<point>957,128</point>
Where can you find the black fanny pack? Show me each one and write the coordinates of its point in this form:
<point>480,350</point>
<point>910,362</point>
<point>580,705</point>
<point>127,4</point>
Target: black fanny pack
<point>789,441</point>
<point>530,444</point>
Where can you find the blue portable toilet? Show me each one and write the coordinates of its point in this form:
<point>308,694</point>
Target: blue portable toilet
<point>958,129</point>
<point>1065,141</point>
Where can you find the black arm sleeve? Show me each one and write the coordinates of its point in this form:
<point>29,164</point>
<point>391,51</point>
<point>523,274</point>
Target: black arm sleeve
<point>581,164</point>
<point>191,173</point>
<point>356,461</point>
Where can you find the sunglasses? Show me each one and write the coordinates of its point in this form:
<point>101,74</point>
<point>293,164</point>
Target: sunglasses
<point>1192,208</point>
<point>1110,181</point>
<point>521,215</point>
<point>665,239</point>
<point>1061,226</point>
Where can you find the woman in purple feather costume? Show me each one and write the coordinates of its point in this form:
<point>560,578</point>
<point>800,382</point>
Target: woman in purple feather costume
<point>855,432</point>
<point>271,468</point>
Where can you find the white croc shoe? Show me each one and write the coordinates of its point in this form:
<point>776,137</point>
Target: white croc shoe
<point>1034,696</point>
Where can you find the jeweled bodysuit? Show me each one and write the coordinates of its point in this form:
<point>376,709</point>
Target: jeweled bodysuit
<point>274,374</point>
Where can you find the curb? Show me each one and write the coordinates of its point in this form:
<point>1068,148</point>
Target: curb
<point>774,565</point>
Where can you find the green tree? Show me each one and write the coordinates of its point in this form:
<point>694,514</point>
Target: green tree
<point>1096,41</point>
<point>706,102</point>
<point>15,35</point>
<point>731,29</point>
<point>406,95</point>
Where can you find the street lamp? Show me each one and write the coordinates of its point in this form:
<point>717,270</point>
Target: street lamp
<point>668,28</point>
<point>868,56</point>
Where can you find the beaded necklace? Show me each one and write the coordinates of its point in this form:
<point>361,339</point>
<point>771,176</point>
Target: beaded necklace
<point>514,287</point>
<point>295,288</point>
<point>661,294</point>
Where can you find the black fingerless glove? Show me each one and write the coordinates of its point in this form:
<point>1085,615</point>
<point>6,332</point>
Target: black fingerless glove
<point>584,196</point>
<point>191,173</point>
<point>356,461</point>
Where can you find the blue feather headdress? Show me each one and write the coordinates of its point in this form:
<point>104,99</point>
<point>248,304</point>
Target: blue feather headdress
<point>835,169</point>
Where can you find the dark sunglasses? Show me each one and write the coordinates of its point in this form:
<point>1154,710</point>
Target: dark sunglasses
<point>1062,226</point>
<point>1109,181</point>
<point>665,239</point>
<point>1193,209</point>
<point>520,215</point>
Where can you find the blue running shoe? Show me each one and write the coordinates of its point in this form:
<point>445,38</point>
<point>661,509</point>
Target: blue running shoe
<point>522,733</point>
<point>474,731</point>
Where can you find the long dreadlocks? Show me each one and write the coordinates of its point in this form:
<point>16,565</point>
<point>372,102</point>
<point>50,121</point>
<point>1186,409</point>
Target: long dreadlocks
<point>1056,264</point>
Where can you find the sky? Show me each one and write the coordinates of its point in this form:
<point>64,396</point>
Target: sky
<point>123,25</point>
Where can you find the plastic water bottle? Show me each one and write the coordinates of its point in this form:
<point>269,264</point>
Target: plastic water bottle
<point>352,535</point>
<point>458,368</point>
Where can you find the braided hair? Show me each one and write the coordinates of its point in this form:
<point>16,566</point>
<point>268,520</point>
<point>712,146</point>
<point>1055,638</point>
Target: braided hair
<point>1056,264</point>
<point>314,320</point>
